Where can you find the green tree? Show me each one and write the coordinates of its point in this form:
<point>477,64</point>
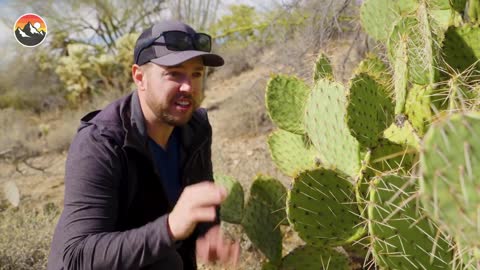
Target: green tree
<point>242,25</point>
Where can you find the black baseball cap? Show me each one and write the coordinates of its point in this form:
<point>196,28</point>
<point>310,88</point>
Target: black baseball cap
<point>169,43</point>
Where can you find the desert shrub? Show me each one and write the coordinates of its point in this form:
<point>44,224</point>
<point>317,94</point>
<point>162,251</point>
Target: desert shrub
<point>25,236</point>
<point>88,70</point>
<point>241,26</point>
<point>19,132</point>
<point>27,83</point>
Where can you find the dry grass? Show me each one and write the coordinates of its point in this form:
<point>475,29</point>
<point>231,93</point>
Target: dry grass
<point>25,236</point>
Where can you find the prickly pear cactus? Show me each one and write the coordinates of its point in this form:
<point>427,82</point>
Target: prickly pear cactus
<point>458,5</point>
<point>261,230</point>
<point>375,68</point>
<point>326,127</point>
<point>313,258</point>
<point>400,75</point>
<point>402,133</point>
<point>421,41</point>
<point>292,153</point>
<point>285,100</point>
<point>450,169</point>
<point>474,10</point>
<point>417,107</point>
<point>273,193</point>
<point>378,16</point>
<point>457,95</point>
<point>461,47</point>
<point>322,68</point>
<point>264,213</point>
<point>367,144</point>
<point>231,209</point>
<point>402,237</point>
<point>321,207</point>
<point>388,156</point>
<point>369,109</point>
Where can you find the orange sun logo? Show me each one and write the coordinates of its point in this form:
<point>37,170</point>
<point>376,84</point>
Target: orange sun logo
<point>30,30</point>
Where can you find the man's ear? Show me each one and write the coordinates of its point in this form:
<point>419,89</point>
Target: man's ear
<point>138,75</point>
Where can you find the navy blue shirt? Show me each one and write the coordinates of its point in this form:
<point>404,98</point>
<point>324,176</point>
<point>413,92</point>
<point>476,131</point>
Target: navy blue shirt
<point>167,165</point>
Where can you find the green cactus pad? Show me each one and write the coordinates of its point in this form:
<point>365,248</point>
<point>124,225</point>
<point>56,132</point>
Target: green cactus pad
<point>400,74</point>
<point>439,4</point>
<point>461,47</point>
<point>358,251</point>
<point>264,232</point>
<point>291,153</point>
<point>264,212</point>
<point>418,108</point>
<point>285,101</point>
<point>446,12</point>
<point>443,18</point>
<point>457,95</point>
<point>375,68</point>
<point>402,133</point>
<point>389,156</point>
<point>402,237</point>
<point>450,168</point>
<point>314,258</point>
<point>458,5</point>
<point>378,16</point>
<point>326,127</point>
<point>321,206</point>
<point>273,194</point>
<point>231,209</point>
<point>466,258</point>
<point>322,68</point>
<point>361,184</point>
<point>474,11</point>
<point>369,109</point>
<point>406,7</point>
<point>418,35</point>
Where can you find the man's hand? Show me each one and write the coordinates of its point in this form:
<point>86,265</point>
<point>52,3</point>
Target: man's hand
<point>196,204</point>
<point>213,247</point>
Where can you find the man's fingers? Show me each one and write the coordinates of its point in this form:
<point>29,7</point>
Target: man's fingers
<point>204,214</point>
<point>206,194</point>
<point>235,255</point>
<point>202,249</point>
<point>227,251</point>
<point>213,247</point>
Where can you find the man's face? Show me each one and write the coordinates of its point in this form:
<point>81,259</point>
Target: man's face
<point>173,93</point>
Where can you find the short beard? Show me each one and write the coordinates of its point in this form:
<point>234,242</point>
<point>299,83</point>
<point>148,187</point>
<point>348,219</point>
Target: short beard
<point>170,120</point>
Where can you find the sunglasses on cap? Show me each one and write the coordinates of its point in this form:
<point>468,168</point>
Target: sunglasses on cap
<point>180,41</point>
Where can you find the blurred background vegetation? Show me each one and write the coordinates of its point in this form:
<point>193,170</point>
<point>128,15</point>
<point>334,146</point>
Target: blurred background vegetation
<point>85,62</point>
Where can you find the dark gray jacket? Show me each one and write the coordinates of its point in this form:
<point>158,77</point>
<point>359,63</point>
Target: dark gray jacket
<point>115,208</point>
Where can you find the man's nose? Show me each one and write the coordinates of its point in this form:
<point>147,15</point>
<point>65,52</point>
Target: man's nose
<point>186,84</point>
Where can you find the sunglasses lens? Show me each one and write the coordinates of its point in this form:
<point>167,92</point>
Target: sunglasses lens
<point>177,41</point>
<point>203,42</point>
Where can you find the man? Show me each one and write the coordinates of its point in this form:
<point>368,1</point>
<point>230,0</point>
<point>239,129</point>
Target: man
<point>138,180</point>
